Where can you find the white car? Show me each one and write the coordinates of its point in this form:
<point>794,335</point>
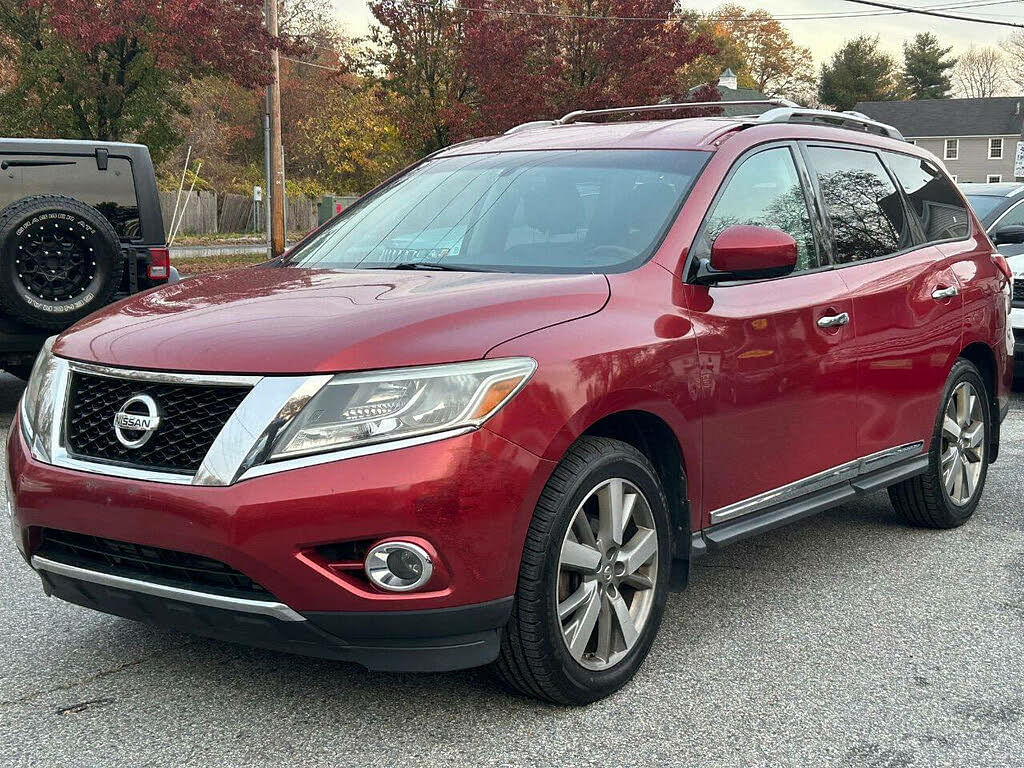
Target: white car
<point>1001,209</point>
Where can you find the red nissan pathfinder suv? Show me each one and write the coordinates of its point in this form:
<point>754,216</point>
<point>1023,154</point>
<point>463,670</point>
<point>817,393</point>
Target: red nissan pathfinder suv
<point>485,413</point>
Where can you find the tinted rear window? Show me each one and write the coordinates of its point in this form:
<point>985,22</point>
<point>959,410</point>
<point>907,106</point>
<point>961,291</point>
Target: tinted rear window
<point>111,192</point>
<point>863,205</point>
<point>933,198</point>
<point>534,211</point>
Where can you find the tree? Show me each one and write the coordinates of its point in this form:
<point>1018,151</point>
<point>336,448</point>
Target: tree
<point>980,73</point>
<point>106,69</point>
<point>350,143</point>
<point>925,68</point>
<point>418,46</point>
<point>523,66</point>
<point>858,72</point>
<point>771,61</point>
<point>1013,49</point>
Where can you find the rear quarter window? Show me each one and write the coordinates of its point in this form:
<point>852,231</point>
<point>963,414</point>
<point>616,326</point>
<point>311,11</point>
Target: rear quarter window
<point>933,198</point>
<point>111,192</point>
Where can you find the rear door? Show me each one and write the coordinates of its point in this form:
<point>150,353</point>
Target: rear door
<point>781,377</point>
<point>906,296</point>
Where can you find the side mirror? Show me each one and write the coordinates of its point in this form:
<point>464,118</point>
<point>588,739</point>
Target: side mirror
<point>1011,234</point>
<point>745,252</point>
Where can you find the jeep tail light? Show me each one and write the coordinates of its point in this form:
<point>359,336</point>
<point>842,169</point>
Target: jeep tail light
<point>159,264</point>
<point>1000,261</point>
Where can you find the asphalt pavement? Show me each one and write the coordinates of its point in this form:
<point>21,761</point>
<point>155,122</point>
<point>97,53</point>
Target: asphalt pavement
<point>846,640</point>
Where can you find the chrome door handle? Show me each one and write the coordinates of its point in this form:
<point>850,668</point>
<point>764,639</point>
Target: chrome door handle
<point>833,321</point>
<point>945,293</point>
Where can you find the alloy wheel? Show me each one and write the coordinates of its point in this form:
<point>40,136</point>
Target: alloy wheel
<point>53,261</point>
<point>607,572</point>
<point>964,439</point>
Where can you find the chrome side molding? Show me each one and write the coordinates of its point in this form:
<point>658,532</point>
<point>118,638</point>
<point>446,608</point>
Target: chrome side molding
<point>278,611</point>
<point>835,476</point>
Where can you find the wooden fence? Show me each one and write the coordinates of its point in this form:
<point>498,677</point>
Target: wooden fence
<point>208,213</point>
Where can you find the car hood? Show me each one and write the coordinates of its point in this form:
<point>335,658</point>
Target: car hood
<point>286,320</point>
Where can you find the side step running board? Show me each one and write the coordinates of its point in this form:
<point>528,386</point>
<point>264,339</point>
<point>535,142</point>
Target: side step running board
<point>731,531</point>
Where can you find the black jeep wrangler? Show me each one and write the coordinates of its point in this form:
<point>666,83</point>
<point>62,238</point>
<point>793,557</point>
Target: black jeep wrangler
<point>80,226</point>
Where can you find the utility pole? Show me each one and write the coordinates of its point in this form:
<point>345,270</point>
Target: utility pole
<point>276,189</point>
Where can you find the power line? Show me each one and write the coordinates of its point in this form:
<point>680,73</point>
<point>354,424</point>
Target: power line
<point>892,11</point>
<point>937,13</point>
<point>311,64</point>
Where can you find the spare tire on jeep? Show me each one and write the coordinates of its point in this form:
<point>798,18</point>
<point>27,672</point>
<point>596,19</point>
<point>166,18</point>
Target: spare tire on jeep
<point>59,260</point>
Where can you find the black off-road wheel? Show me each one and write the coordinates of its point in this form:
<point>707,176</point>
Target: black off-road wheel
<point>60,260</point>
<point>593,579</point>
<point>948,493</point>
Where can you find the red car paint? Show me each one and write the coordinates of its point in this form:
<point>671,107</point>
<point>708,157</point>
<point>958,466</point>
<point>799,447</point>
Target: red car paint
<point>756,394</point>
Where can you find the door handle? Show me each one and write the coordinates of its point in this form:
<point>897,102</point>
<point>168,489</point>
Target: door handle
<point>945,293</point>
<point>833,321</point>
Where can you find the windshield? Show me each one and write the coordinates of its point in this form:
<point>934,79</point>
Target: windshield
<point>536,211</point>
<point>983,205</point>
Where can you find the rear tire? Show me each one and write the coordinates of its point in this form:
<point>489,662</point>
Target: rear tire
<point>591,590</point>
<point>947,494</point>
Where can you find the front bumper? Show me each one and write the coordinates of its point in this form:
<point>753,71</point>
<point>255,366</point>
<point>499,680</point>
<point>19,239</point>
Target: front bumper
<point>469,497</point>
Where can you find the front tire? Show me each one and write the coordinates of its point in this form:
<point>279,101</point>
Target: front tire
<point>593,578</point>
<point>948,493</point>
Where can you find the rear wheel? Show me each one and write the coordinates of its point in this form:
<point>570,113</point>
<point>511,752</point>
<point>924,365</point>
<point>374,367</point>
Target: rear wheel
<point>948,493</point>
<point>593,579</point>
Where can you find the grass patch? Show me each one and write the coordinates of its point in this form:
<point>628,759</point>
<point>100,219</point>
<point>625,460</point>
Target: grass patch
<point>202,265</point>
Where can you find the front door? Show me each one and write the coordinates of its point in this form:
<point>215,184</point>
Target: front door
<point>781,380</point>
<point>906,295</point>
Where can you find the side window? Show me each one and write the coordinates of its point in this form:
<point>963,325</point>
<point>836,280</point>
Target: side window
<point>1014,216</point>
<point>111,192</point>
<point>934,199</point>
<point>866,211</point>
<point>766,191</point>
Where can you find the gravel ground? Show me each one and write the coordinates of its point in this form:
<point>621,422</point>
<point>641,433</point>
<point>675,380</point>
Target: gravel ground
<point>847,640</point>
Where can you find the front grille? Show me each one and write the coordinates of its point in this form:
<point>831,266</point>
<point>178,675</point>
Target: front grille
<point>152,564</point>
<point>1018,290</point>
<point>191,417</point>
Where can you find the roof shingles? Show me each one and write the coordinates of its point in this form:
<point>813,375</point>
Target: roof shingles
<point>996,116</point>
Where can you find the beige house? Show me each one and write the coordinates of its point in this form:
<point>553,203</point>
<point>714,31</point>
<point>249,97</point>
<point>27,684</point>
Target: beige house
<point>975,138</point>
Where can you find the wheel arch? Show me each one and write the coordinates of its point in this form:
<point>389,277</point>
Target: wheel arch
<point>984,359</point>
<point>653,437</point>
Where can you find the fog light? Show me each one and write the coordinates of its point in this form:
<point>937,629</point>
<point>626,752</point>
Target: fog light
<point>398,566</point>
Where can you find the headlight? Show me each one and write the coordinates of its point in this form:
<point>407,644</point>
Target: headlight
<point>39,400</point>
<point>360,409</point>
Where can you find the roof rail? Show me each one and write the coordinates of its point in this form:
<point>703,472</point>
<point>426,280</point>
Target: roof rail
<point>572,117</point>
<point>785,112</point>
<point>855,121</point>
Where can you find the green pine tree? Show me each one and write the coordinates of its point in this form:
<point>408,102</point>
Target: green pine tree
<point>925,68</point>
<point>858,72</point>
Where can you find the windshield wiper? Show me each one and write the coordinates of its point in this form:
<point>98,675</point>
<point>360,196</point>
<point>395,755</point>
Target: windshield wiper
<point>430,265</point>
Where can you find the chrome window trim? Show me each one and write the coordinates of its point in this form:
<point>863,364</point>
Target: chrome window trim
<point>992,227</point>
<point>817,482</point>
<point>276,610</point>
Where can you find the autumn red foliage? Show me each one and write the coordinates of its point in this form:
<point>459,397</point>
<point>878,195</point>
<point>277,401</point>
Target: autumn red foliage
<point>532,60</point>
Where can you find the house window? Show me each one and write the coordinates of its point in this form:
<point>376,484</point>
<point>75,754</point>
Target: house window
<point>993,178</point>
<point>995,149</point>
<point>952,149</point>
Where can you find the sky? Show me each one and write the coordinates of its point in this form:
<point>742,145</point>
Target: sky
<point>821,36</point>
